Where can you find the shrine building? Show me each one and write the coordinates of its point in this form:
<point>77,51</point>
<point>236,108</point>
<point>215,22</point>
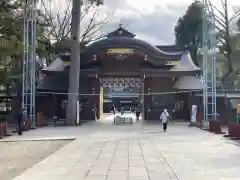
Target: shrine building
<point>125,71</point>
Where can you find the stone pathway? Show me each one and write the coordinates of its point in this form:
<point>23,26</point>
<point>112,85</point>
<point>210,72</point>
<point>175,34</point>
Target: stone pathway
<point>141,152</point>
<point>100,159</point>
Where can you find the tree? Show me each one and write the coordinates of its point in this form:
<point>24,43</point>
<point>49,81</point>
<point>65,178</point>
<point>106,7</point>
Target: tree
<point>75,65</point>
<point>224,33</point>
<point>60,21</point>
<point>238,24</point>
<point>11,40</point>
<point>188,29</point>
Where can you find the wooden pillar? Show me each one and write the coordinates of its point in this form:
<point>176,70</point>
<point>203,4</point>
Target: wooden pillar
<point>101,99</point>
<point>148,98</point>
<point>55,105</point>
<point>95,97</point>
<point>190,103</point>
<point>142,98</point>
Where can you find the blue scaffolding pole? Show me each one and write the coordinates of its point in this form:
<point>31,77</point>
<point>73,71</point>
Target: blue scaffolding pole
<point>209,63</point>
<point>29,60</point>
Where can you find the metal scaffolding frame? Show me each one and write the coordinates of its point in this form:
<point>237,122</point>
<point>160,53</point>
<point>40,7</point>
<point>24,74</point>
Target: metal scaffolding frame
<point>29,60</point>
<point>209,62</point>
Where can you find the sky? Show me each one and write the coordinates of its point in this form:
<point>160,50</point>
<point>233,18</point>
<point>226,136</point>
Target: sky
<point>151,20</point>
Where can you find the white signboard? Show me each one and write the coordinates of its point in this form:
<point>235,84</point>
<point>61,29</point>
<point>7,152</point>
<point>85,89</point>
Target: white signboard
<point>78,111</point>
<point>194,114</point>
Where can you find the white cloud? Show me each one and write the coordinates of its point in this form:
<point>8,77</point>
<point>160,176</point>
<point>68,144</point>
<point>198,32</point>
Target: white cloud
<point>126,13</point>
<point>151,20</point>
<point>154,20</point>
<point>149,38</point>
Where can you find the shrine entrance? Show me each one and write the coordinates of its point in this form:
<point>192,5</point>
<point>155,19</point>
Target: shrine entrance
<point>120,92</point>
<point>129,72</point>
<point>122,70</point>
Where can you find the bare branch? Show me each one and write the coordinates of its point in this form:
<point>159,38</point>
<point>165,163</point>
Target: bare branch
<point>236,14</point>
<point>220,39</point>
<point>85,11</point>
<point>61,22</point>
<point>220,21</point>
<point>64,24</point>
<point>220,12</point>
<point>49,17</point>
<point>220,30</point>
<point>59,25</point>
<point>93,29</point>
<point>94,26</point>
<point>224,5</point>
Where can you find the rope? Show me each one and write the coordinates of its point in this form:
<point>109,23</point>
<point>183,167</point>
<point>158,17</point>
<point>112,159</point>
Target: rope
<point>120,94</point>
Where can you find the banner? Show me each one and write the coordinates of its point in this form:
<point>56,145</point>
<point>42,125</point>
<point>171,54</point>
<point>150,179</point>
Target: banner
<point>194,114</point>
<point>101,99</point>
<point>78,112</point>
<point>238,113</point>
<point>120,51</point>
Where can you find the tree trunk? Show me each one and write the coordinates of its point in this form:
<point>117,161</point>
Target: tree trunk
<point>229,54</point>
<point>74,75</point>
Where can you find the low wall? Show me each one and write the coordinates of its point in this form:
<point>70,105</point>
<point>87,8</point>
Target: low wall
<point>215,126</point>
<point>3,129</point>
<point>234,130</point>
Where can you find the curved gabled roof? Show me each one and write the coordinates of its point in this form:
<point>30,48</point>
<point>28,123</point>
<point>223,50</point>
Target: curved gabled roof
<point>171,48</point>
<point>122,38</point>
<point>186,64</point>
<point>189,82</point>
<point>125,42</point>
<point>56,65</point>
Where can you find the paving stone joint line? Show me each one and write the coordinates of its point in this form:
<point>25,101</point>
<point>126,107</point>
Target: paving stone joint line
<point>144,158</point>
<point>170,171</point>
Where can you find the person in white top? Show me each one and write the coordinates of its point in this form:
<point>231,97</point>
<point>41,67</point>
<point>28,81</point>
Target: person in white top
<point>164,118</point>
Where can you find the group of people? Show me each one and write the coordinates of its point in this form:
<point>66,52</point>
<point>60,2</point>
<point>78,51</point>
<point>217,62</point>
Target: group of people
<point>165,117</point>
<point>137,111</point>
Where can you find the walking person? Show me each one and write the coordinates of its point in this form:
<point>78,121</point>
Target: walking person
<point>138,110</point>
<point>164,118</point>
<point>21,120</point>
<point>122,109</point>
<point>113,109</point>
<point>173,116</point>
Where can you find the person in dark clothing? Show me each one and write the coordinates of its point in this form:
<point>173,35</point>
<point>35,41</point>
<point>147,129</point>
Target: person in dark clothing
<point>122,110</point>
<point>20,121</point>
<point>173,114</point>
<point>113,110</point>
<point>138,110</point>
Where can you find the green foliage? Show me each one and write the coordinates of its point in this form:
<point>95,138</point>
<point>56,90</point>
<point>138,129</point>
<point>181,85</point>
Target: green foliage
<point>189,27</point>
<point>188,32</point>
<point>238,24</point>
<point>11,28</point>
<point>225,38</point>
<point>11,39</point>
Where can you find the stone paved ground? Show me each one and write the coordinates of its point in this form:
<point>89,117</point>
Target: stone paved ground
<point>103,151</point>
